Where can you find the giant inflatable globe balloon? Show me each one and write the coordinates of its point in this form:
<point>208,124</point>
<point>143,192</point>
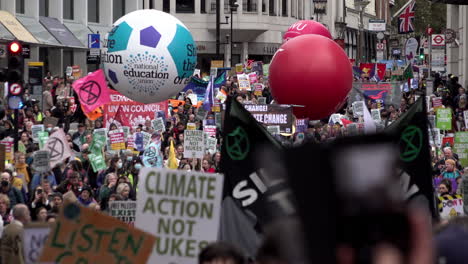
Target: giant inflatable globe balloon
<point>311,71</point>
<point>149,56</point>
<point>304,27</point>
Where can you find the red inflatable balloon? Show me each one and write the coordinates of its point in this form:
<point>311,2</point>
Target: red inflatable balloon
<point>306,27</point>
<point>312,71</point>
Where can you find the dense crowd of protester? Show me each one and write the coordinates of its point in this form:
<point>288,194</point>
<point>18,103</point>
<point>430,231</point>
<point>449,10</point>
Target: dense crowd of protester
<point>29,195</point>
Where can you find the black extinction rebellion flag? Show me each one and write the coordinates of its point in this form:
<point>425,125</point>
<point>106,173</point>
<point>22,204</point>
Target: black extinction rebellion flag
<point>416,172</point>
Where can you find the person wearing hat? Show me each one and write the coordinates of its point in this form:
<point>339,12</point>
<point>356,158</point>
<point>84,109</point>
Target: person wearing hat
<point>86,196</point>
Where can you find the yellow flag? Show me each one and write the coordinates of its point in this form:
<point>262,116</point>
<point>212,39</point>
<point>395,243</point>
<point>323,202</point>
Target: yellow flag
<point>172,161</point>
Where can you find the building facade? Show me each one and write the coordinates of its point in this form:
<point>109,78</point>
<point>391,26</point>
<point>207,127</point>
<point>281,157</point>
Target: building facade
<point>57,30</point>
<point>457,53</point>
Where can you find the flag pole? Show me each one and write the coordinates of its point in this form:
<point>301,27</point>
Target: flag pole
<point>402,8</point>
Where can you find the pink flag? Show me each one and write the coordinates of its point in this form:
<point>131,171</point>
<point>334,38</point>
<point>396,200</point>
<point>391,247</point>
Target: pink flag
<point>92,90</point>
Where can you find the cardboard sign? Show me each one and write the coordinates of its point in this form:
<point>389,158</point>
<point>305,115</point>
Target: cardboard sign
<point>437,102</point>
<point>444,119</point>
<point>182,209</point>
<point>435,137</point>
<point>83,235</point>
<point>117,139</point>
<point>8,143</point>
<point>131,142</point>
<point>258,89</point>
<point>239,68</point>
<point>35,129</point>
<point>194,145</point>
<point>210,130</point>
<point>243,82</point>
<point>211,145</point>
<point>146,138</point>
<point>358,109</point>
<point>375,113</point>
<point>261,100</point>
<point>193,98</point>
<point>450,206</point>
<point>102,132</point>
<point>99,141</point>
<point>158,125</point>
<point>34,238</point>
<point>461,147</point>
<point>273,115</point>
<point>301,125</point>
<point>123,210</point>
<point>431,119</point>
<point>382,93</point>
<point>266,70</point>
<point>41,160</point>
<point>126,131</point>
<point>201,113</point>
<point>43,136</point>
<point>253,77</point>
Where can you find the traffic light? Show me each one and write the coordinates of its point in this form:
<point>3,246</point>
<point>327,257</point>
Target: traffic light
<point>15,70</point>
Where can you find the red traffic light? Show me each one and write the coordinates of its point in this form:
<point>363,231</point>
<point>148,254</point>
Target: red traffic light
<point>14,47</point>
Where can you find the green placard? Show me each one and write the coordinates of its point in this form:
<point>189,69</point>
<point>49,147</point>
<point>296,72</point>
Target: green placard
<point>42,136</point>
<point>98,143</point>
<point>461,147</point>
<point>444,119</point>
<point>97,162</point>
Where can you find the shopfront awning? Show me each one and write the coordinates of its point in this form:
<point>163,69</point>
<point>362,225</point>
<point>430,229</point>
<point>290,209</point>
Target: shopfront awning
<point>60,32</point>
<point>80,31</point>
<point>5,34</point>
<point>38,31</point>
<point>16,28</point>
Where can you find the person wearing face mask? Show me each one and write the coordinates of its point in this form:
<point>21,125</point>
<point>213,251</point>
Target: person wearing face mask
<point>6,188</point>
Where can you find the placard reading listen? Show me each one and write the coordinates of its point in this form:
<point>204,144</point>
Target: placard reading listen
<point>182,209</point>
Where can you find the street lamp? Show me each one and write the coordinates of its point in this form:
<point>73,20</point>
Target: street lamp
<point>340,30</point>
<point>218,25</point>
<point>233,7</point>
<point>320,7</point>
<point>360,5</point>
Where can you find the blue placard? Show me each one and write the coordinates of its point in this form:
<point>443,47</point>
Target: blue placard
<point>94,41</point>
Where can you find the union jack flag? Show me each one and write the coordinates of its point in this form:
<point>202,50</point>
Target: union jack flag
<point>406,19</point>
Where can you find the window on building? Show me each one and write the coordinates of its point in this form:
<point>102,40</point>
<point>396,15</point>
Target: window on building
<point>185,6</point>
<point>264,6</point>
<point>93,11</point>
<point>118,9</point>
<point>68,9</point>
<point>151,4</point>
<point>44,8</point>
<point>272,8</point>
<point>293,8</point>
<point>203,5</point>
<point>167,6</point>
<point>300,9</point>
<point>249,6</point>
<point>67,59</point>
<point>20,6</point>
<point>284,7</point>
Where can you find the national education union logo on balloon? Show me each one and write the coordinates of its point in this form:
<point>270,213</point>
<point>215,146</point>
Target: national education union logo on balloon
<point>149,56</point>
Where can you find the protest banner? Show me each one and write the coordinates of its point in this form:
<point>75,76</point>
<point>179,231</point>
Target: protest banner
<point>117,139</point>
<point>358,109</point>
<point>274,130</point>
<point>92,90</point>
<point>99,141</point>
<point>437,102</point>
<point>375,113</point>
<point>383,94</point>
<point>58,147</point>
<point>131,142</point>
<point>34,238</point>
<point>41,160</point>
<point>258,89</point>
<point>266,70</point>
<point>257,66</point>
<point>35,129</point>
<point>301,125</point>
<point>243,82</point>
<point>210,130</point>
<point>139,144</point>
<point>431,119</point>
<point>97,162</point>
<point>444,119</point>
<point>435,137</point>
<point>461,147</point>
<point>8,143</point>
<point>182,209</point>
<point>271,115</point>
<point>123,210</point>
<point>83,235</point>
<point>193,98</point>
<point>211,145</point>
<point>130,113</point>
<point>194,146</point>
<point>450,206</point>
<point>448,141</point>
<point>201,113</point>
<point>191,126</point>
<point>158,125</point>
<point>146,139</point>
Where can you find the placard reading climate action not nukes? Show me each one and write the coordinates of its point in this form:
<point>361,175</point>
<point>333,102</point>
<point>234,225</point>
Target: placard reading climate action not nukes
<point>271,115</point>
<point>182,209</point>
<point>194,144</point>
